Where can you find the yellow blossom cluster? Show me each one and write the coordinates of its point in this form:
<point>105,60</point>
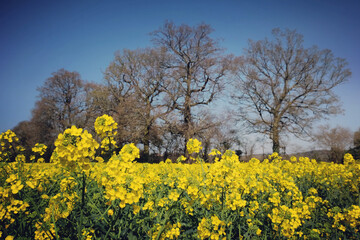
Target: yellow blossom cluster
<point>193,146</point>
<point>169,231</point>
<point>44,231</point>
<point>39,148</point>
<point>8,136</point>
<point>10,206</point>
<point>212,228</point>
<point>118,179</point>
<point>75,147</point>
<point>88,234</point>
<point>8,144</point>
<point>216,153</point>
<point>105,127</point>
<point>342,217</point>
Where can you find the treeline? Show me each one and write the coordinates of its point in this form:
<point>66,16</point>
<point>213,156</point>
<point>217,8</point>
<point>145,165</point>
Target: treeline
<point>161,96</point>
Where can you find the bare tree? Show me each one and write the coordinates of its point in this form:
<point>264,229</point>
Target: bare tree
<point>63,98</point>
<point>284,87</point>
<point>197,67</point>
<point>337,140</point>
<point>140,73</point>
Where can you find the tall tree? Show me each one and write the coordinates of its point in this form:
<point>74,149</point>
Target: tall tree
<point>283,87</point>
<point>140,73</point>
<point>197,67</point>
<point>63,98</point>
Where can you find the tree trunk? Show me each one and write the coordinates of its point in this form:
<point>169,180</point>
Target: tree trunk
<point>187,123</point>
<point>146,148</point>
<point>276,139</point>
<point>187,130</point>
<point>146,139</point>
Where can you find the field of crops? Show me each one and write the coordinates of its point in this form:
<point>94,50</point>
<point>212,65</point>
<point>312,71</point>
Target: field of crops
<point>76,198</point>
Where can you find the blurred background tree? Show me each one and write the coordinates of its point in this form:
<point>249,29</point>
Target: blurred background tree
<point>337,140</point>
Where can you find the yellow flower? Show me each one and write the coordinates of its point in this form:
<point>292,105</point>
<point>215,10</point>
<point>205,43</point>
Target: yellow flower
<point>348,159</point>
<point>20,158</point>
<point>15,188</point>
<point>342,228</point>
<point>192,191</point>
<point>136,209</point>
<point>74,147</point>
<point>229,158</point>
<point>214,152</point>
<point>110,212</point>
<point>181,159</point>
<point>193,146</point>
<point>312,191</point>
<point>99,159</point>
<point>129,152</point>
<point>105,126</point>
<point>174,195</point>
<point>275,199</point>
<point>31,184</point>
<point>44,196</point>
<point>39,148</point>
<point>11,178</point>
<point>203,229</point>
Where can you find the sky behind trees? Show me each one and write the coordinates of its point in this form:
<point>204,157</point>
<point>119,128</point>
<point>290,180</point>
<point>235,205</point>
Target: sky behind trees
<point>41,37</point>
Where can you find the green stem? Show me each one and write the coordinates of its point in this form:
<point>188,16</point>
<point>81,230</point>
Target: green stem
<point>80,222</point>
<point>113,223</point>
<point>162,227</point>
<point>83,191</point>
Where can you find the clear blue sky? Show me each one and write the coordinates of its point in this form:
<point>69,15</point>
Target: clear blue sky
<point>41,37</point>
